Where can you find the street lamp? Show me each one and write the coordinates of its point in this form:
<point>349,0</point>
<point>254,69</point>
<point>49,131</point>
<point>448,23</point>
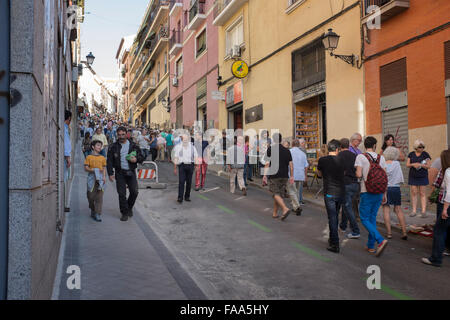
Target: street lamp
<point>90,58</point>
<point>330,42</point>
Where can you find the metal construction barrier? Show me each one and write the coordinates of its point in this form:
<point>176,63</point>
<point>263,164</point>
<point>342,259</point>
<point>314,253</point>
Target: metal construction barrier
<point>147,176</point>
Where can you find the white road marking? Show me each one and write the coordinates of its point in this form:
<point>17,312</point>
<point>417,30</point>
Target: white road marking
<point>267,209</point>
<point>208,190</point>
<point>240,198</point>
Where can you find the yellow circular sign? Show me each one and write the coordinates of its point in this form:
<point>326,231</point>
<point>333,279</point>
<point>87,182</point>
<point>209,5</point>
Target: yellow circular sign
<point>239,69</point>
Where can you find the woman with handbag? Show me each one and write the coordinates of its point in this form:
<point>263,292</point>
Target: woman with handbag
<point>442,197</point>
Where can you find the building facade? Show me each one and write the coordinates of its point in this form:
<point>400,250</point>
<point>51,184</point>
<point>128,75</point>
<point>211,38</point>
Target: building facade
<point>122,63</point>
<point>44,57</point>
<point>407,67</point>
<point>293,85</point>
<point>149,70</point>
<point>193,64</point>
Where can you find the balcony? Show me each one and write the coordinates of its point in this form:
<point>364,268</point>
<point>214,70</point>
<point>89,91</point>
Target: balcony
<point>148,86</point>
<point>225,9</point>
<point>155,46</point>
<point>176,42</point>
<point>196,14</point>
<point>176,6</point>
<point>388,9</point>
<point>157,14</point>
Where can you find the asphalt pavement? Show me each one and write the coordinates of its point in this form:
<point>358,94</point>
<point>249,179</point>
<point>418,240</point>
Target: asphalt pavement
<point>233,249</point>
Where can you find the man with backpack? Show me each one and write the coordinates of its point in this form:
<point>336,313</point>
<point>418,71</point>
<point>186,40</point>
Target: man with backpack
<point>371,167</point>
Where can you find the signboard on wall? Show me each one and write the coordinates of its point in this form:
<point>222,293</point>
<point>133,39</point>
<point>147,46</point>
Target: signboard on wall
<point>234,94</point>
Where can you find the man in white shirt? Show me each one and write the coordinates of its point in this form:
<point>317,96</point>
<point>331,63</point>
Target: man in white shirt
<point>236,163</point>
<point>370,202</point>
<point>184,155</point>
<point>301,165</point>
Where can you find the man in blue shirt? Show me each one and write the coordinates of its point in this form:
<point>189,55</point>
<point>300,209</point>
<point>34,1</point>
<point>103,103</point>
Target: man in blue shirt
<point>67,151</point>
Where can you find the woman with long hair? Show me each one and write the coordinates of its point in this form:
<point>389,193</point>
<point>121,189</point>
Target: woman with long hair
<point>389,141</point>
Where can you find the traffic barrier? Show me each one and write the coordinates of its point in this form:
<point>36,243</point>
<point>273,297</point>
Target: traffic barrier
<point>147,176</point>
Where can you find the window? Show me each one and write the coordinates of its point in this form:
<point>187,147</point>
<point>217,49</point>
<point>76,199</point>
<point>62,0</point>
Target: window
<point>158,71</point>
<point>165,62</point>
<point>234,36</point>
<point>200,43</point>
<point>179,67</point>
<point>308,66</point>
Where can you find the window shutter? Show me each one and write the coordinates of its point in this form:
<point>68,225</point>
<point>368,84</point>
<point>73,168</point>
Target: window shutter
<point>393,78</point>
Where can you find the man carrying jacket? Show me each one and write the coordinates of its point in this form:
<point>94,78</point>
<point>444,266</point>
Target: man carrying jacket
<point>121,166</point>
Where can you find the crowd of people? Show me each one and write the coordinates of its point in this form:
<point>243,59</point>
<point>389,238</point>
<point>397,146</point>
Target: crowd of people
<point>355,183</point>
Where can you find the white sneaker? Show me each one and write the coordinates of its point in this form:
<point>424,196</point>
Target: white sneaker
<point>413,214</point>
<point>446,252</point>
<point>353,236</point>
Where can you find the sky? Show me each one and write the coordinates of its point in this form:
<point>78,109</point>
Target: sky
<point>105,23</point>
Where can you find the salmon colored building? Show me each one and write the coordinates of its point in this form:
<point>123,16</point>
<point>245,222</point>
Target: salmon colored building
<point>193,64</point>
<point>407,72</point>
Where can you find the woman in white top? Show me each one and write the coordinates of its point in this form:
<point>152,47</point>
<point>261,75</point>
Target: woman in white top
<point>394,196</point>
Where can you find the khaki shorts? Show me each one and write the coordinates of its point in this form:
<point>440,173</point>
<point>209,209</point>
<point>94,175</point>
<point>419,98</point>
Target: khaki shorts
<point>278,186</point>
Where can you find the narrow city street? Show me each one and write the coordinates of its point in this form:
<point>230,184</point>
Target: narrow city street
<point>225,246</point>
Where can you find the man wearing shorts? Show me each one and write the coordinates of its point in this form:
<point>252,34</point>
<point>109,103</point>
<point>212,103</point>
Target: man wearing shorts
<point>278,179</point>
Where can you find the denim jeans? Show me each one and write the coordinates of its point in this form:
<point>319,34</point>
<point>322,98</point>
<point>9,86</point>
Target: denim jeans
<point>351,190</point>
<point>145,152</point>
<point>368,211</point>
<point>300,190</point>
<point>332,204</point>
<point>439,235</point>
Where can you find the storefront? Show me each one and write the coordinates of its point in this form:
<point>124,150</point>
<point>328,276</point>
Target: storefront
<point>234,103</point>
<point>311,121</point>
<point>201,103</point>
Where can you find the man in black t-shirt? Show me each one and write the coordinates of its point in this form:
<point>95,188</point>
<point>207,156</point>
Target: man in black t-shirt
<point>278,179</point>
<point>347,159</point>
<point>332,171</point>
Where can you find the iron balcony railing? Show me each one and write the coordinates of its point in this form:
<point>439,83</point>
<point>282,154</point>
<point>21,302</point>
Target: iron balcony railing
<point>175,38</point>
<point>379,3</point>
<point>147,84</point>
<point>219,6</point>
<point>173,2</point>
<point>198,7</point>
<point>154,12</point>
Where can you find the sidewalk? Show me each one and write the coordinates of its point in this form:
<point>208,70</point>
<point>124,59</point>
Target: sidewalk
<point>312,195</point>
<point>118,260</point>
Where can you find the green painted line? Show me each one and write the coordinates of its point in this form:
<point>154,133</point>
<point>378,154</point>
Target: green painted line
<point>310,252</point>
<point>259,226</point>
<point>202,197</point>
<point>225,209</point>
<point>393,293</point>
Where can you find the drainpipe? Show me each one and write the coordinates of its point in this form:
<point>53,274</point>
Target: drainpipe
<point>4,142</point>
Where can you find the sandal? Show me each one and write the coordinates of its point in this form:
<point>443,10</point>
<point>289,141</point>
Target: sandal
<point>404,237</point>
<point>275,217</point>
<point>389,236</point>
<point>371,250</point>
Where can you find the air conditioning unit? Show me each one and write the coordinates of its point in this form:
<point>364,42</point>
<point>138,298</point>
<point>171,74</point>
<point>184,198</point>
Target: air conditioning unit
<point>145,84</point>
<point>175,82</point>
<point>236,51</point>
